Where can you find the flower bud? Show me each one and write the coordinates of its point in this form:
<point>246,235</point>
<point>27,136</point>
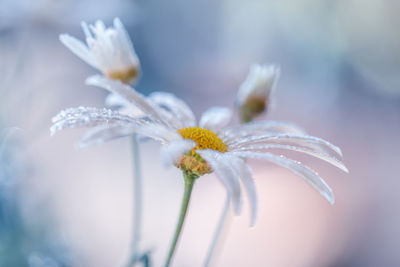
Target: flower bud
<point>254,94</point>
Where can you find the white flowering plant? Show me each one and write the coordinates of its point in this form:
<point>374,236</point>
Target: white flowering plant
<point>210,145</point>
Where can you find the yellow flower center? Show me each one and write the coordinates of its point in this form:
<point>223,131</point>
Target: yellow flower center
<point>205,139</point>
<point>125,76</point>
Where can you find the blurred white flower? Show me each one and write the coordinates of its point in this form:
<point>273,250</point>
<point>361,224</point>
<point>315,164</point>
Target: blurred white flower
<point>254,94</point>
<point>109,50</point>
<point>209,146</point>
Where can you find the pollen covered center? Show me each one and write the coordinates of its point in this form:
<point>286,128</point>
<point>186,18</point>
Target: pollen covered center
<point>204,138</point>
<point>192,162</point>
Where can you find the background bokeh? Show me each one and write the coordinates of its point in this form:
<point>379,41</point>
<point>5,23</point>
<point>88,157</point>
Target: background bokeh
<point>340,62</point>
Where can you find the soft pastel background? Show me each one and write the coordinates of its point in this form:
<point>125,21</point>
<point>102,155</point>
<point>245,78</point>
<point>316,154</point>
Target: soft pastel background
<point>340,61</point>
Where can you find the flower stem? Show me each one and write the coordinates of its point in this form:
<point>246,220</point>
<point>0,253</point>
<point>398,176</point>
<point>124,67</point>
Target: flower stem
<point>218,231</point>
<point>189,182</point>
<point>137,202</point>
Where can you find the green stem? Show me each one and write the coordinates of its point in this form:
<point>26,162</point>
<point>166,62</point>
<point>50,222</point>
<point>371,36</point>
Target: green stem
<point>189,182</point>
<point>145,259</point>
<point>217,234</point>
<point>223,222</point>
<point>137,203</point>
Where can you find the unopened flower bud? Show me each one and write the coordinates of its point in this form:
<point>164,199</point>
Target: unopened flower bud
<point>254,94</point>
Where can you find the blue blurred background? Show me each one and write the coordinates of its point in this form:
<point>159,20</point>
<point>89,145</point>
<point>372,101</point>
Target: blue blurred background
<point>340,63</point>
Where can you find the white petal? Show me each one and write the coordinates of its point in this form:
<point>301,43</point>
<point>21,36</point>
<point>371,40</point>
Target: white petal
<point>98,28</point>
<point>215,118</point>
<point>123,106</point>
<point>177,107</point>
<point>303,171</point>
<point>158,132</point>
<point>88,117</point>
<point>246,177</point>
<point>311,141</point>
<point>122,33</point>
<point>169,118</point>
<point>321,155</point>
<point>115,100</point>
<point>126,52</point>
<point>225,173</point>
<point>79,48</point>
<point>105,133</point>
<point>126,92</point>
<point>263,127</point>
<point>172,153</point>
<point>125,40</point>
<point>86,30</point>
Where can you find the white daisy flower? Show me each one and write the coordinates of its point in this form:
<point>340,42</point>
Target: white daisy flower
<point>109,50</point>
<point>254,94</point>
<point>204,147</point>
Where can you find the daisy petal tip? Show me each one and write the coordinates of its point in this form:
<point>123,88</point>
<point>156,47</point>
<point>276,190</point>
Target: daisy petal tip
<point>62,37</point>
<point>83,24</point>
<point>94,80</point>
<point>341,166</point>
<point>67,40</point>
<point>339,151</point>
<point>237,208</point>
<point>117,21</point>
<point>253,220</point>
<point>345,169</point>
<point>53,131</point>
<point>331,198</point>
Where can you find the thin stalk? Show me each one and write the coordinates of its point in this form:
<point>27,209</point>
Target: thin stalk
<point>244,118</point>
<point>218,231</point>
<point>145,259</point>
<point>137,202</point>
<point>189,182</point>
